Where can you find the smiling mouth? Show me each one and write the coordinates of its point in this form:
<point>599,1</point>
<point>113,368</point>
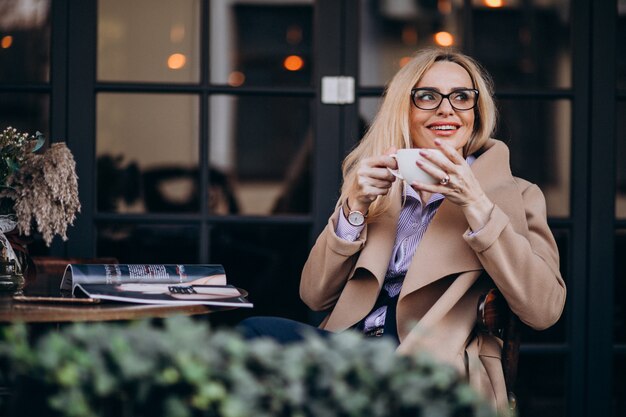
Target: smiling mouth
<point>444,128</point>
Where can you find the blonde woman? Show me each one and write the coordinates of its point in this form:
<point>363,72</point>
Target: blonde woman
<point>409,262</point>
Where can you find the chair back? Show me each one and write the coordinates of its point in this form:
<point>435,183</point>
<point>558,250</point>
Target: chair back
<point>494,317</point>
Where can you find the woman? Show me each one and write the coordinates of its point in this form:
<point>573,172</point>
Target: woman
<point>415,267</point>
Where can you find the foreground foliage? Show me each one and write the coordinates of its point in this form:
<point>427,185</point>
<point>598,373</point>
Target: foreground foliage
<point>182,368</point>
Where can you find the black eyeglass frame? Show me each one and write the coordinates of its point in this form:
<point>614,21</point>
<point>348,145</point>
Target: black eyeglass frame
<point>444,96</point>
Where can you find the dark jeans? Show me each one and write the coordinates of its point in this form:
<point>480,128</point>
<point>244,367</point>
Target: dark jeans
<point>284,331</point>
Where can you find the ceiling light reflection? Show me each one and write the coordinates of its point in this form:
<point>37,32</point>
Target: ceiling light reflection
<point>293,63</point>
<point>409,35</point>
<point>494,3</point>
<point>177,33</point>
<point>294,35</point>
<point>236,78</point>
<point>404,60</point>
<point>6,42</point>
<point>176,61</point>
<point>444,6</point>
<point>444,38</point>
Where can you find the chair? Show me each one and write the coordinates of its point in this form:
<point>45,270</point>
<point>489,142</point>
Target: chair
<point>494,317</point>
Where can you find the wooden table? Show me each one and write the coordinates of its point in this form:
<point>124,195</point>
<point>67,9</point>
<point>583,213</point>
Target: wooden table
<point>12,311</point>
<point>46,282</point>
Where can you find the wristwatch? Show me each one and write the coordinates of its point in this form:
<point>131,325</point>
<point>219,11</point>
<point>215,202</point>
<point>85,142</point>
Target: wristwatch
<point>355,217</point>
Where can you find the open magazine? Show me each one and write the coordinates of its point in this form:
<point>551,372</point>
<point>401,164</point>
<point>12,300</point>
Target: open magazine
<point>154,284</point>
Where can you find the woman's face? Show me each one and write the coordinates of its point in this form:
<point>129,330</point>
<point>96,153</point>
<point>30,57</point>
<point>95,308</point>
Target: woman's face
<point>451,126</point>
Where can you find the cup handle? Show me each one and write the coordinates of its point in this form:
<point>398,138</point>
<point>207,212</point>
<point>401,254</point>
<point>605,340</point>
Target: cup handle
<point>395,171</point>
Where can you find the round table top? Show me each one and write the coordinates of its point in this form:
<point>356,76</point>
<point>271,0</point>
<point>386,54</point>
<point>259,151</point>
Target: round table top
<point>46,281</point>
<point>12,311</point>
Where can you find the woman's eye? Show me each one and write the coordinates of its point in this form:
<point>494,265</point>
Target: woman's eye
<point>425,96</point>
<point>460,96</point>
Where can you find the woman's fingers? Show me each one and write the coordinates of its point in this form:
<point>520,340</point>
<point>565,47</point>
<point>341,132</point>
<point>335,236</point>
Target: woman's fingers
<point>449,151</point>
<point>373,178</point>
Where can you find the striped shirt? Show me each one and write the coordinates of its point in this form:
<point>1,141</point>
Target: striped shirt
<point>412,224</point>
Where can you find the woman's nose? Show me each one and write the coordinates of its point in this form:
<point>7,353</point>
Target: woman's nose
<point>445,107</point>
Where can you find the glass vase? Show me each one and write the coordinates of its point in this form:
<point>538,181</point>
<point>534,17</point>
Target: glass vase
<point>11,278</point>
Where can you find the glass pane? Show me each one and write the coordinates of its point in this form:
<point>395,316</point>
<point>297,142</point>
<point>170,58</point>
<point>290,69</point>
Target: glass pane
<point>620,55</point>
<point>24,41</point>
<point>557,333</point>
<point>619,385</point>
<point>620,287</point>
<point>147,152</point>
<point>262,42</point>
<point>539,133</point>
<point>620,200</point>
<point>540,386</point>
<point>506,39</point>
<point>392,31</point>
<point>510,41</point>
<point>27,112</point>
<point>368,107</point>
<point>149,40</point>
<point>263,147</point>
<point>274,256</point>
<point>148,243</point>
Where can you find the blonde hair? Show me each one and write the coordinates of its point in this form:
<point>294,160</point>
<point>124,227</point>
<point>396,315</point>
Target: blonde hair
<point>391,124</point>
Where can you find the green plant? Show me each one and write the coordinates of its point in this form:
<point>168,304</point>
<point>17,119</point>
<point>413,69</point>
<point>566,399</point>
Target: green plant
<point>182,368</point>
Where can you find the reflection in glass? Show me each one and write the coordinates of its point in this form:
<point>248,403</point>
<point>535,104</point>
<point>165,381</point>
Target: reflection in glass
<point>27,112</point>
<point>263,145</point>
<point>368,107</point>
<point>392,31</point>
<point>512,43</point>
<point>620,287</point>
<point>24,41</point>
<point>149,40</point>
<point>538,133</point>
<point>147,152</point>
<point>267,261</point>
<point>620,199</point>
<point>504,39</point>
<point>540,386</point>
<point>620,53</point>
<point>264,43</point>
<point>619,384</point>
<point>148,243</point>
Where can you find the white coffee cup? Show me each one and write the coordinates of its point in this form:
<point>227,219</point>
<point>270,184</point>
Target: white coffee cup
<point>408,169</point>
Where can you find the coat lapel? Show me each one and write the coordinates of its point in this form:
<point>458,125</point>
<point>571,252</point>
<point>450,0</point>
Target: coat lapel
<point>443,251</point>
<point>381,236</point>
<point>361,290</point>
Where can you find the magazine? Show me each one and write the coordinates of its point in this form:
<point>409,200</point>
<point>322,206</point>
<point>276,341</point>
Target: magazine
<point>154,284</point>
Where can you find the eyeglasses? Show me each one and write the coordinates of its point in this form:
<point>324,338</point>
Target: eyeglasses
<point>429,99</point>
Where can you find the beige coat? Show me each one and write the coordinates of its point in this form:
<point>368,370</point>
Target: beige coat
<point>437,305</point>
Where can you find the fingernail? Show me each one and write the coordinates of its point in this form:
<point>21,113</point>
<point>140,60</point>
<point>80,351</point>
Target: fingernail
<point>437,141</point>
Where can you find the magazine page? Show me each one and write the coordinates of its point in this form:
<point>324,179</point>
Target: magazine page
<point>167,294</point>
<point>204,274</point>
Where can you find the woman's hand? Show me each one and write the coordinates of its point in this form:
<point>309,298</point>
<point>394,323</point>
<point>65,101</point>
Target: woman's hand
<point>457,183</point>
<point>372,180</point>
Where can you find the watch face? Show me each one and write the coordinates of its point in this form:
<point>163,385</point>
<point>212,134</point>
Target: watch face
<point>356,218</point>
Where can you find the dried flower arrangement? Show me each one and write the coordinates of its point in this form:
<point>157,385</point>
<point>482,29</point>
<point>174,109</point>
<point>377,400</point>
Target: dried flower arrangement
<point>36,188</point>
